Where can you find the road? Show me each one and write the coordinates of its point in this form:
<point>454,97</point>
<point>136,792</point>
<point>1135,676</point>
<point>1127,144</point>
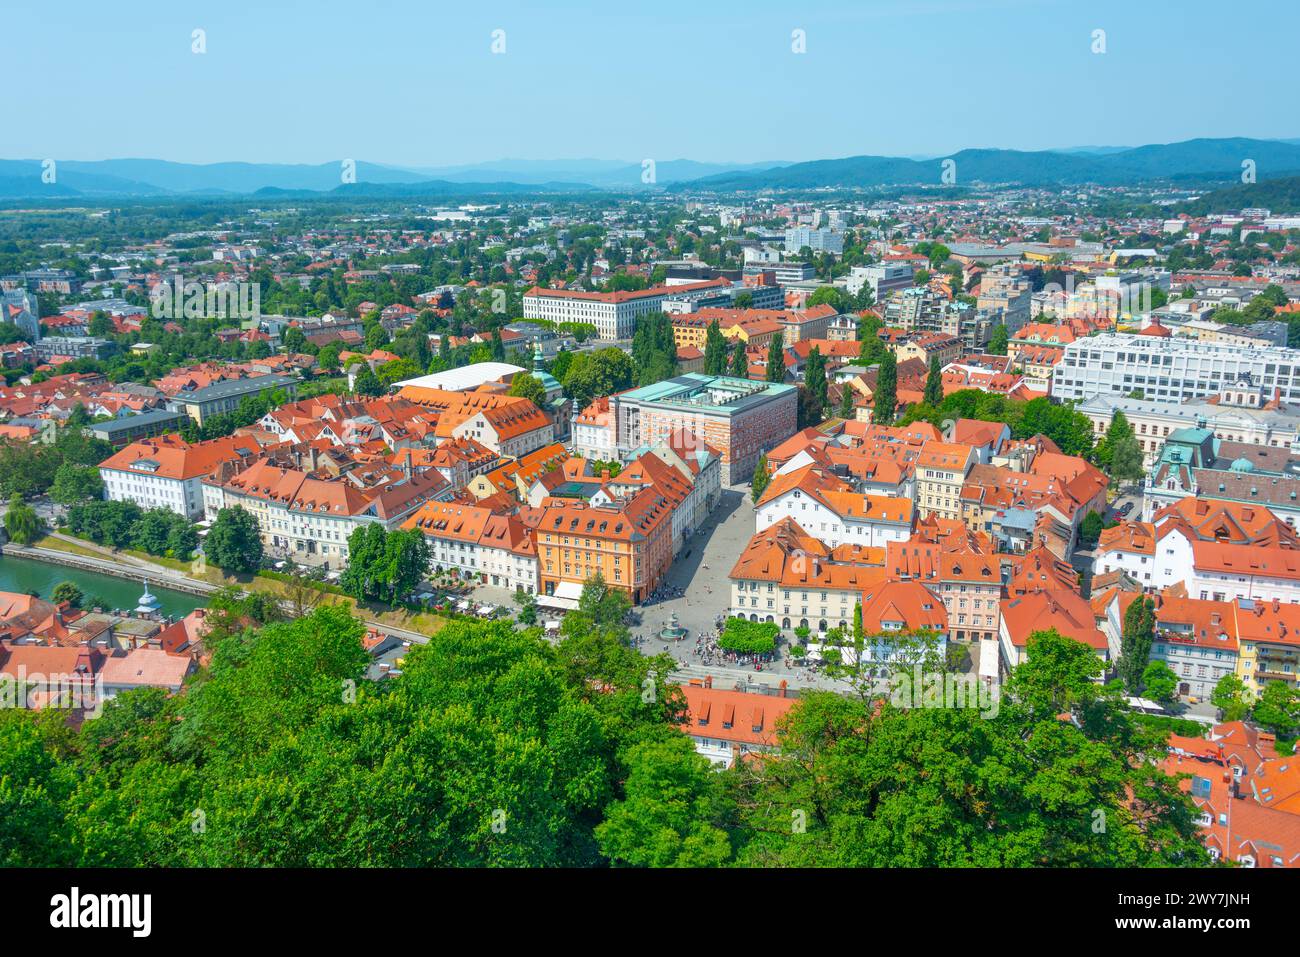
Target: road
<point>1130,494</point>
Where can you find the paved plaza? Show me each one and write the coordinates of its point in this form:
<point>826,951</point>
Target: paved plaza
<point>700,575</point>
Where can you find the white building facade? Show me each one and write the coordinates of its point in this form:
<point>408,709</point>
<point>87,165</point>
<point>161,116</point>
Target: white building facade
<point>873,521</point>
<point>1172,369</point>
<point>142,482</point>
<point>614,314</point>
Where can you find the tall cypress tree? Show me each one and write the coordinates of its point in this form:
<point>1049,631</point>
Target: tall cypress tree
<point>760,480</point>
<point>815,378</point>
<point>715,350</point>
<point>934,383</point>
<point>885,400</point>
<point>846,401</point>
<point>776,359</point>
<point>1135,643</point>
<point>739,363</point>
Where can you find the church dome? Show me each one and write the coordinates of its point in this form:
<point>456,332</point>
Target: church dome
<point>549,383</point>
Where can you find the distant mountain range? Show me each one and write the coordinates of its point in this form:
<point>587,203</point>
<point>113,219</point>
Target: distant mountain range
<point>608,174</point>
<point>1201,160</point>
<point>21,179</point>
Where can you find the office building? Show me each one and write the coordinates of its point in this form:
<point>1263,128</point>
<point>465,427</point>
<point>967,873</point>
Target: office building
<point>614,314</point>
<point>225,396</point>
<point>1175,369</point>
<point>883,278</point>
<point>740,418</point>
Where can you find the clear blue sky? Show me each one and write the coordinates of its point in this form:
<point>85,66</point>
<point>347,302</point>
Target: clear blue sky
<point>415,83</point>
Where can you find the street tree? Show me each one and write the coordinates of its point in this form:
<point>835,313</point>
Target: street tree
<point>21,522</point>
<point>1229,696</point>
<point>1135,643</point>
<point>76,483</point>
<point>885,397</point>
<point>234,542</point>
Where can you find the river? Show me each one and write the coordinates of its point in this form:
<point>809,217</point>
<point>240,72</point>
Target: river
<point>25,575</point>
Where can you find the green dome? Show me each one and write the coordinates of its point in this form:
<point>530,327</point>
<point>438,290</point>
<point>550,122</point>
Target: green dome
<point>548,381</point>
<point>1243,465</point>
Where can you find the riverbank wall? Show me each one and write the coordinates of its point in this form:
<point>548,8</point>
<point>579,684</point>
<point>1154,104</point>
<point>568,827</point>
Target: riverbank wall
<point>104,566</point>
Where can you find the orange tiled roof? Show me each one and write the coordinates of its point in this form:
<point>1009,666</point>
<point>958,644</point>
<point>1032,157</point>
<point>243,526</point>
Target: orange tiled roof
<point>178,459</point>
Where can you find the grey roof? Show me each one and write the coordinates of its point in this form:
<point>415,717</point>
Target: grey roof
<point>137,421</point>
<point>1189,412</point>
<point>1245,487</point>
<point>229,387</point>
<point>693,391</point>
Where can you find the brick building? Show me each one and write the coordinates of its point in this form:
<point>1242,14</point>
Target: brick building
<point>740,418</point>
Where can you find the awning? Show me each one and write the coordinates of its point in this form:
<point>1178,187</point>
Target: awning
<point>989,659</point>
<point>568,590</point>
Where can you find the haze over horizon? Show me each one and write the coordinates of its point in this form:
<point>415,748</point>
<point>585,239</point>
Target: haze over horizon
<point>415,86</point>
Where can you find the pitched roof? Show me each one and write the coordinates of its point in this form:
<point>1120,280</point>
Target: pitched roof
<point>450,520</point>
<point>169,456</point>
<point>902,604</point>
<point>737,717</point>
<point>147,668</point>
<point>784,554</point>
<point>1059,609</point>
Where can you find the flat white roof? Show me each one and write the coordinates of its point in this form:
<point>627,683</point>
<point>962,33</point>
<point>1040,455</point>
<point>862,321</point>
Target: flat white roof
<point>463,379</point>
